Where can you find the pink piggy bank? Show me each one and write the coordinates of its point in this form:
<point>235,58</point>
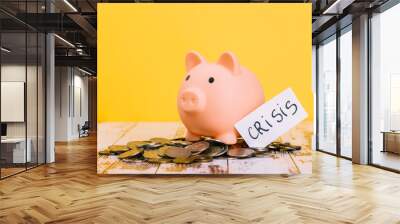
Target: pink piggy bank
<point>214,96</point>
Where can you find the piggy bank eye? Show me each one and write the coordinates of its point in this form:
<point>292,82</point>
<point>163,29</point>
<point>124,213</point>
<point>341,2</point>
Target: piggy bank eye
<point>211,80</point>
<point>187,77</point>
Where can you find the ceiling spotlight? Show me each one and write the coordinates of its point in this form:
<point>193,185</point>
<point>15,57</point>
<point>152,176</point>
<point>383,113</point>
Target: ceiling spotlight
<point>79,51</point>
<point>337,7</point>
<point>5,50</point>
<point>84,71</point>
<point>64,40</point>
<point>70,5</point>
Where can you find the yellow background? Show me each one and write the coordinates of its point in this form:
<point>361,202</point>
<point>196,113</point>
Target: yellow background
<point>142,48</point>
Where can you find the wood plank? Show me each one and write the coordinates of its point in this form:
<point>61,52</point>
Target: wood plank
<point>110,133</point>
<point>70,191</point>
<point>303,162</point>
<point>274,163</point>
<point>139,167</point>
<point>139,131</point>
<point>217,166</point>
<point>147,130</point>
<point>104,162</point>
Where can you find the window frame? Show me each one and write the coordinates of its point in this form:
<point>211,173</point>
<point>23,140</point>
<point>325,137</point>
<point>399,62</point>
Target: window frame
<point>337,35</point>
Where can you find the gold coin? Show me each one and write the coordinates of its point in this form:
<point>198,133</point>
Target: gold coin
<point>273,147</point>
<point>133,147</point>
<point>296,147</point>
<point>178,139</point>
<point>134,144</point>
<point>151,154</point>
<point>276,144</point>
<point>287,148</point>
<point>129,154</point>
<point>174,152</point>
<point>162,150</point>
<point>160,140</point>
<point>184,160</point>
<point>118,148</point>
<point>105,152</point>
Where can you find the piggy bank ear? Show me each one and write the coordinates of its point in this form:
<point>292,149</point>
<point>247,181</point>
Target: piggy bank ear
<point>193,59</point>
<point>230,62</point>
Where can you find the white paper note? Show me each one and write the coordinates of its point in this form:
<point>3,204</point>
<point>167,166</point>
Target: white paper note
<point>271,120</point>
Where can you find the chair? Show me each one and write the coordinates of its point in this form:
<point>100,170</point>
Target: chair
<point>84,130</point>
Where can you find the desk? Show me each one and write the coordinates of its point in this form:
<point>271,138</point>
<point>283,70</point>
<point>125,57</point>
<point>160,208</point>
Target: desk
<point>16,147</point>
<point>391,141</point>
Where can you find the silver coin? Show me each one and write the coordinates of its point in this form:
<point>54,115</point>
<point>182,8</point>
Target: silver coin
<point>273,147</point>
<point>260,149</point>
<point>174,152</point>
<point>198,147</point>
<point>216,150</point>
<point>152,146</point>
<point>180,143</point>
<point>240,152</point>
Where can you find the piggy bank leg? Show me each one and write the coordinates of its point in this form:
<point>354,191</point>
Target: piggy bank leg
<point>189,136</point>
<point>227,138</point>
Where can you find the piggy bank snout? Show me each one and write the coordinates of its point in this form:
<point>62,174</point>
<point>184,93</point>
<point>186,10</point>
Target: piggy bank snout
<point>192,100</point>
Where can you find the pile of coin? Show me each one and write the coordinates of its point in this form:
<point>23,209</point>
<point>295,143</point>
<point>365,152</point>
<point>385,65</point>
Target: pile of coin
<point>163,150</point>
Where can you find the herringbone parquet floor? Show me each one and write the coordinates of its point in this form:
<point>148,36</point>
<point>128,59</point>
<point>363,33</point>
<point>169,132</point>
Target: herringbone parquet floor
<point>70,191</point>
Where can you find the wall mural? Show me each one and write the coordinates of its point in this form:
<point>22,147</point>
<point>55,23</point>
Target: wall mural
<point>204,89</point>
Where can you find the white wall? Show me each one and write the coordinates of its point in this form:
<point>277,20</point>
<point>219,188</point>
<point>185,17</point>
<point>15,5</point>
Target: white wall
<point>71,102</point>
<point>81,103</point>
<point>62,82</point>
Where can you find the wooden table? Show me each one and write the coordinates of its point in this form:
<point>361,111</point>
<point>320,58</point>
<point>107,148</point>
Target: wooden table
<point>391,141</point>
<point>123,132</point>
<point>14,151</point>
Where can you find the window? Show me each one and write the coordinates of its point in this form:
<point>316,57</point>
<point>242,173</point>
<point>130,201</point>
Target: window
<point>346,92</point>
<point>334,60</point>
<point>394,102</point>
<point>22,77</point>
<point>327,95</point>
<point>385,89</point>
